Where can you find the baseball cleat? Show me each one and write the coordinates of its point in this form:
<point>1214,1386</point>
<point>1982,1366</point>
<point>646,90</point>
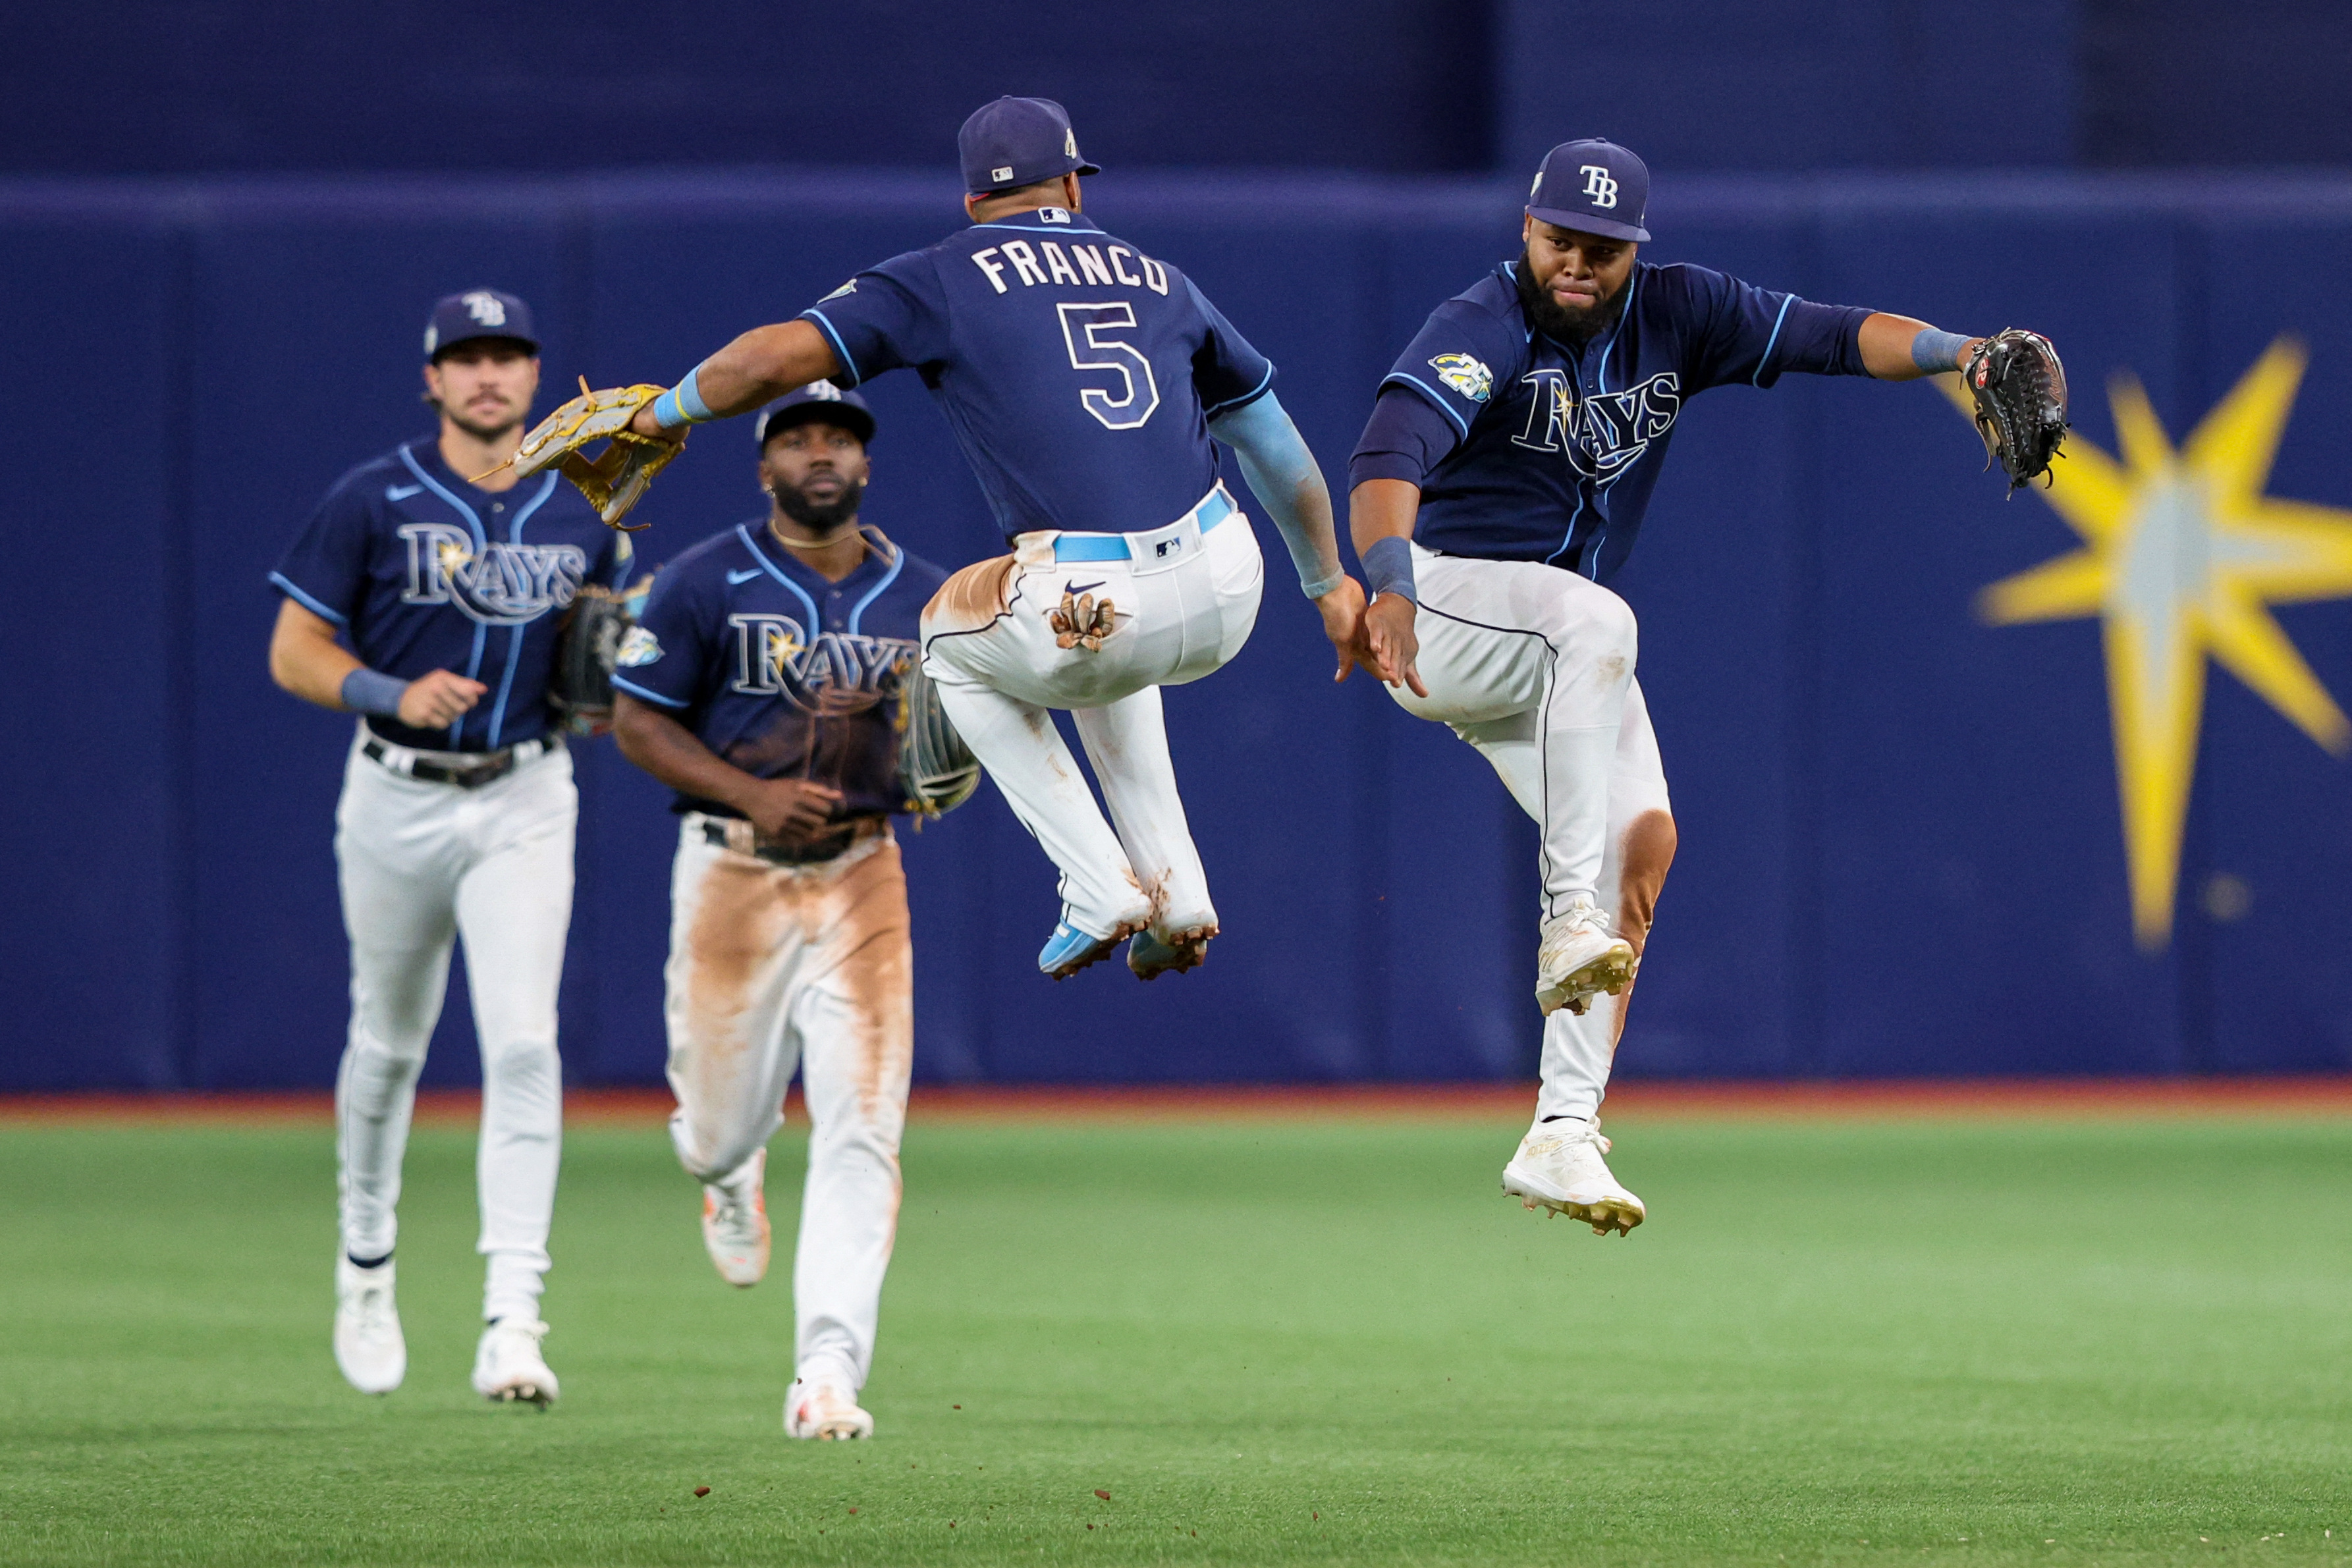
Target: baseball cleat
<point>368,1343</point>
<point>825,1412</point>
<point>735,1223</point>
<point>1150,957</point>
<point>1070,949</point>
<point>508,1366</point>
<point>1559,1167</point>
<point>1579,959</point>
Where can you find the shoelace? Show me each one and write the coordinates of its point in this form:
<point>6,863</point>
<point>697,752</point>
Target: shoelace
<point>1548,1142</point>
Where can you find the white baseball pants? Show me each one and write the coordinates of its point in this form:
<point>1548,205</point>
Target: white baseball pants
<point>773,967</point>
<point>422,864</point>
<point>1534,666</point>
<point>1186,599</point>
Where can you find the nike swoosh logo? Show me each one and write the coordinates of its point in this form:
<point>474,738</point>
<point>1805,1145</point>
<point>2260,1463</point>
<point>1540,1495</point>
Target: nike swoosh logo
<point>734,578</point>
<point>1076,587</point>
<point>401,492</point>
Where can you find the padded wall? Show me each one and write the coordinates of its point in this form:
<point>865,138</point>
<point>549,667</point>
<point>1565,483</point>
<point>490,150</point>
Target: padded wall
<point>1900,847</point>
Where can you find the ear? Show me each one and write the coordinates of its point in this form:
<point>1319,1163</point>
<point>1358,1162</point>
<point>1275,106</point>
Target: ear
<point>972,206</point>
<point>1526,229</point>
<point>1070,193</point>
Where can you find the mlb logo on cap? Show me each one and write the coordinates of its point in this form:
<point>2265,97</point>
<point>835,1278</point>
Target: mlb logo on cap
<point>1593,186</point>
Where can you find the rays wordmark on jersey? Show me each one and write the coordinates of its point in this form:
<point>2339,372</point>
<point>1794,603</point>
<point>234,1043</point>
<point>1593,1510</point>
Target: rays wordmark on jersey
<point>502,585</point>
<point>775,657</point>
<point>1602,432</point>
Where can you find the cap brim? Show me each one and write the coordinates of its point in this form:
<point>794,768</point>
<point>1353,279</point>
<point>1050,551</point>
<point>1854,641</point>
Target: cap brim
<point>1585,223</point>
<point>1087,169</point>
<point>440,349</point>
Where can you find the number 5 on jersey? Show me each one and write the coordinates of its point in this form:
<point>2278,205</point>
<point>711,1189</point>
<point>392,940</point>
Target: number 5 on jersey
<point>1093,328</point>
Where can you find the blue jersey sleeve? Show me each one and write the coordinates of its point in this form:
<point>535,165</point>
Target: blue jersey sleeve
<point>665,657</point>
<point>1405,439</point>
<point>1227,373</point>
<point>1753,335</point>
<point>325,571</point>
<point>1461,357</point>
<point>884,318</point>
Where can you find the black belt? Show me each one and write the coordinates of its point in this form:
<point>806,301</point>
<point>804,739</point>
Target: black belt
<point>494,765</point>
<point>831,847</point>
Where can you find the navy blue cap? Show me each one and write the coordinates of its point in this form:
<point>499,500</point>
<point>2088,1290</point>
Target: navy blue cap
<point>818,401</point>
<point>1017,142</point>
<point>1593,186</point>
<point>478,313</point>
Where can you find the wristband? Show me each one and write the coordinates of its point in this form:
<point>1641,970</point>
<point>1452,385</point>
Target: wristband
<point>1322,585</point>
<point>683,404</point>
<point>1933,350</point>
<point>1388,568</point>
<point>374,692</point>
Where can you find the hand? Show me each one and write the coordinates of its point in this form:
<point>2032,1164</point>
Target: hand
<point>1343,622</point>
<point>1390,643</point>
<point>645,425</point>
<point>788,810</point>
<point>434,700</point>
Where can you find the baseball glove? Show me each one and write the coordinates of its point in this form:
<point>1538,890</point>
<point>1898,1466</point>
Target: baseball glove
<point>615,481</point>
<point>2019,389</point>
<point>1082,621</point>
<point>581,690</point>
<point>937,772</point>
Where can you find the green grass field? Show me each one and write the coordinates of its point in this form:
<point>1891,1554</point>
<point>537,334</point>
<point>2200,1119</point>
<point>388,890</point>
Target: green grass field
<point>1943,1341</point>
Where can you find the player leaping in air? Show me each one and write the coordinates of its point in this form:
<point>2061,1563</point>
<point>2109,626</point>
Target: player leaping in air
<point>1085,381</point>
<point>1501,481</point>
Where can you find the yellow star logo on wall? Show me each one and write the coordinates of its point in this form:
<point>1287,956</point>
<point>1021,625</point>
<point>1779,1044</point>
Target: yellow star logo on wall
<point>2182,557</point>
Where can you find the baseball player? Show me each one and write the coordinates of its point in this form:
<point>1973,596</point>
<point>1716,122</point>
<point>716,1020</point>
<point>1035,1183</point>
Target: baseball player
<point>1085,381</point>
<point>763,683</point>
<point>1499,483</point>
<point>429,604</point>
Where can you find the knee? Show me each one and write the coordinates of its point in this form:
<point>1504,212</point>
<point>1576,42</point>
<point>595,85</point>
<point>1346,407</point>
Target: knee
<point>521,1066</point>
<point>1605,624</point>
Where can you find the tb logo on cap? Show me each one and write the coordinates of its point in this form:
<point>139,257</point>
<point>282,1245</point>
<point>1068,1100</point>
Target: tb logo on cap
<point>1598,185</point>
<point>485,307</point>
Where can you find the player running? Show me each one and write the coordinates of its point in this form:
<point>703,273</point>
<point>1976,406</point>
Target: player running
<point>763,683</point>
<point>1084,380</point>
<point>1500,481</point>
<point>430,605</point>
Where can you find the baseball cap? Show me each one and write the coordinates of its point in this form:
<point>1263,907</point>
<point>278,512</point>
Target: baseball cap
<point>1018,142</point>
<point>478,313</point>
<point>817,401</point>
<point>1594,186</point>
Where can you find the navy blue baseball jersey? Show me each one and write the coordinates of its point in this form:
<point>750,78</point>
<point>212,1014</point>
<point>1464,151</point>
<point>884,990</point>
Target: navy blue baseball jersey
<point>423,571</point>
<point>1528,449</point>
<point>1078,374</point>
<point>779,671</point>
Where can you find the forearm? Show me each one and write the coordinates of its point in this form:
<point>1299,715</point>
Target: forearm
<point>1282,474</point>
<point>1380,509</point>
<point>765,362</point>
<point>673,754</point>
<point>1894,350</point>
<point>306,660</point>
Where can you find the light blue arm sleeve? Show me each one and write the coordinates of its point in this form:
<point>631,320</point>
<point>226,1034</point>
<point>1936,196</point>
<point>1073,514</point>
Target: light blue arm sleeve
<point>1282,472</point>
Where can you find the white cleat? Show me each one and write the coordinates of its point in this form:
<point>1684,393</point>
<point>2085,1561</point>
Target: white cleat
<point>367,1343</point>
<point>508,1366</point>
<point>735,1223</point>
<point>1559,1167</point>
<point>1579,959</point>
<point>825,1412</point>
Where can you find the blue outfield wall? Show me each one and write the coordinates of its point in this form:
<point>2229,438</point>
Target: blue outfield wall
<point>1901,846</point>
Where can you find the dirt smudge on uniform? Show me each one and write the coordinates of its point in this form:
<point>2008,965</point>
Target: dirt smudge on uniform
<point>877,976</point>
<point>970,598</point>
<point>1644,853</point>
<point>739,921</point>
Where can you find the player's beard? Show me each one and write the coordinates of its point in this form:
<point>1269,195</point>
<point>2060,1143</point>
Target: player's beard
<point>821,518</point>
<point>1556,321</point>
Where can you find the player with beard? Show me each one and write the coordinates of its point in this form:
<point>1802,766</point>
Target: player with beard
<point>763,683</point>
<point>1500,481</point>
<point>430,604</point>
